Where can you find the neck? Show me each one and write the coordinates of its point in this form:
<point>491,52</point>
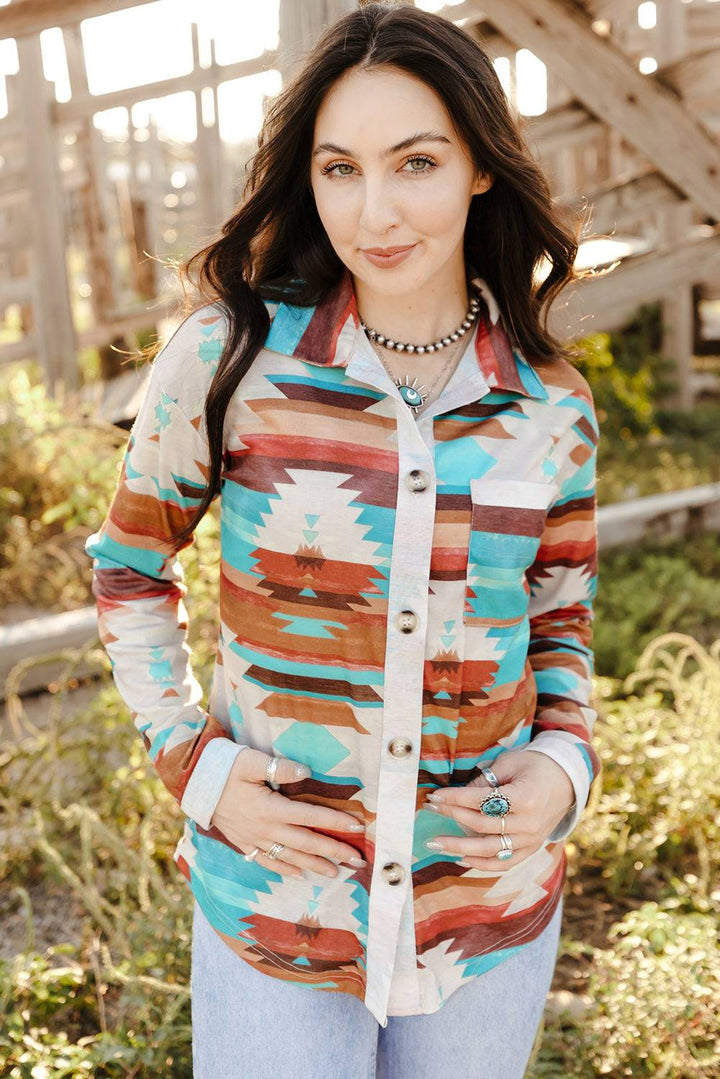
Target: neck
<point>428,313</point>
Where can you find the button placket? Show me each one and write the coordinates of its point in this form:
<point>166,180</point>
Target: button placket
<point>402,710</point>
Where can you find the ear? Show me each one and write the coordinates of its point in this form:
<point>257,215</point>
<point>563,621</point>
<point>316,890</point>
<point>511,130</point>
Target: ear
<point>483,183</point>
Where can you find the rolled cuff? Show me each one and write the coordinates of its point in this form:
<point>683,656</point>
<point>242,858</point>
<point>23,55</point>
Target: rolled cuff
<point>208,780</point>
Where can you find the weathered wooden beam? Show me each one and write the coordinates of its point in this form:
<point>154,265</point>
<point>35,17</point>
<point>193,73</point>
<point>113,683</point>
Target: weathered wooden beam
<point>13,351</point>
<point>559,128</point>
<point>55,330</point>
<point>140,318</point>
<point>646,113</point>
<point>25,17</point>
<point>46,636</point>
<point>606,302</point>
<point>695,79</point>
<point>83,105</point>
<point>301,24</point>
<point>618,206</point>
<point>666,516</point>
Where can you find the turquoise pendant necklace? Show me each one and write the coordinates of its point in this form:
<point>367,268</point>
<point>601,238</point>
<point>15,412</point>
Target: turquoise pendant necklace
<point>412,391</point>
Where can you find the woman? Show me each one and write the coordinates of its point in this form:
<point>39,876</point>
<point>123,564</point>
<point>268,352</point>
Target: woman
<point>397,740</point>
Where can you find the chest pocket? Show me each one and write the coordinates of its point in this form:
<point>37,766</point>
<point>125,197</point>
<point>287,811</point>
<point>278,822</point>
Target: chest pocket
<point>508,519</point>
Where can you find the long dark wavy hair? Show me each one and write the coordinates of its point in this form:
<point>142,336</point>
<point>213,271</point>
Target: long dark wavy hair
<point>274,246</point>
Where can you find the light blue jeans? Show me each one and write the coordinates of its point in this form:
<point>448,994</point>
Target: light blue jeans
<point>249,1025</point>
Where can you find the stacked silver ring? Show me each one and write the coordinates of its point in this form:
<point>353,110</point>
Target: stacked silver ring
<point>271,771</point>
<point>506,850</point>
<point>272,853</point>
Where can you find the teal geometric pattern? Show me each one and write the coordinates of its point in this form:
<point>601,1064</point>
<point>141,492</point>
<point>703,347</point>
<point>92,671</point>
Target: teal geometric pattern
<point>311,744</point>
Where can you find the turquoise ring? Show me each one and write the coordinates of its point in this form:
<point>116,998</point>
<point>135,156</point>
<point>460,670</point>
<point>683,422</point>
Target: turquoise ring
<point>495,805</point>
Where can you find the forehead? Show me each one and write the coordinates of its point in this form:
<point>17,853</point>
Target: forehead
<point>378,107</point>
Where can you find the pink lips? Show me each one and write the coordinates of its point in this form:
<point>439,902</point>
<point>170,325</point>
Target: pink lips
<point>395,256</point>
<point>385,251</point>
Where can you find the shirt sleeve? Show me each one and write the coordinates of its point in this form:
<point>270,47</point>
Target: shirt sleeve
<point>139,586</point>
<point>563,582</point>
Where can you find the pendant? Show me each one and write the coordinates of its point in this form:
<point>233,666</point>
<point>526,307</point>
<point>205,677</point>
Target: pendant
<point>411,392</point>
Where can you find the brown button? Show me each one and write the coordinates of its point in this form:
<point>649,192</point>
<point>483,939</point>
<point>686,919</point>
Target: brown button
<point>393,873</point>
<point>400,747</point>
<point>417,480</point>
<point>407,621</point>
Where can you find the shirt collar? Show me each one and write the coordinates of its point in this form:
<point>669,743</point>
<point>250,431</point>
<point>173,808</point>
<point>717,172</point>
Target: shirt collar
<point>326,333</point>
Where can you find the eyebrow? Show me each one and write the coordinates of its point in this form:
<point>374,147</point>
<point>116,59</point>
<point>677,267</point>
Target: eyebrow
<point>422,136</point>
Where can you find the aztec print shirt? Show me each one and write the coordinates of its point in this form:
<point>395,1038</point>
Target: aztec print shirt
<point>341,512</point>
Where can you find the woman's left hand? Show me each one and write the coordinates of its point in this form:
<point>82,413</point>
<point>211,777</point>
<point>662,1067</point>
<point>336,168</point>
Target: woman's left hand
<point>540,793</point>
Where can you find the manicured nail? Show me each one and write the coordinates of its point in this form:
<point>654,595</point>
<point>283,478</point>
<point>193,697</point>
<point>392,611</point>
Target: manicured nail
<point>466,864</point>
<point>433,808</point>
<point>302,771</point>
<point>358,826</point>
<point>433,844</point>
<point>434,796</point>
<point>357,861</point>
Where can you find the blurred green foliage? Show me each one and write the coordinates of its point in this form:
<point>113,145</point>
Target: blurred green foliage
<point>652,1007</point>
<point>627,373</point>
<point>56,471</point>
<point>655,588</point>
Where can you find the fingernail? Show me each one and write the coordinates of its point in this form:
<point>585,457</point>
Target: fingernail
<point>466,864</point>
<point>356,827</point>
<point>357,861</point>
<point>435,797</point>
<point>302,771</point>
<point>433,808</point>
<point>433,844</point>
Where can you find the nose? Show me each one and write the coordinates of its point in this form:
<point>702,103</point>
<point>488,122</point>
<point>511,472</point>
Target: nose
<point>378,211</point>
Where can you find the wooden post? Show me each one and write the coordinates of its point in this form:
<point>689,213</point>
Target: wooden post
<point>95,224</point>
<point>209,153</point>
<point>300,26</point>
<point>679,309</point>
<point>55,332</point>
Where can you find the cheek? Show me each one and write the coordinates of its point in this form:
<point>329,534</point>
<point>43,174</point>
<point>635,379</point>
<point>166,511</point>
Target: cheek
<point>336,214</point>
<point>436,210</point>
<point>443,213</point>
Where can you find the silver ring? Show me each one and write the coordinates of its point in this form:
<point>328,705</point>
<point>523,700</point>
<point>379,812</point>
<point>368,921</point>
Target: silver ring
<point>490,776</point>
<point>506,850</point>
<point>270,772</point>
<point>275,850</point>
<point>252,855</point>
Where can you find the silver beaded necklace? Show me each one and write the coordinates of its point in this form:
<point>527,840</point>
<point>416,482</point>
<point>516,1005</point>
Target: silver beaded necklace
<point>414,393</point>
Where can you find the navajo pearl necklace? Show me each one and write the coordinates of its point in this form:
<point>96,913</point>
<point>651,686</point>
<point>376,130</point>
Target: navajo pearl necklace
<point>413,393</point>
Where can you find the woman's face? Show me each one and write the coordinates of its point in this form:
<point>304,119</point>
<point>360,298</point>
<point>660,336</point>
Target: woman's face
<point>370,194</point>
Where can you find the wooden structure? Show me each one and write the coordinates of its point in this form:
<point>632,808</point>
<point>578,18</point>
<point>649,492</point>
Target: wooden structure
<point>641,148</point>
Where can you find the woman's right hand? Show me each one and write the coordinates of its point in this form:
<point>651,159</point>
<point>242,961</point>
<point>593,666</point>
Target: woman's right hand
<point>251,815</point>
